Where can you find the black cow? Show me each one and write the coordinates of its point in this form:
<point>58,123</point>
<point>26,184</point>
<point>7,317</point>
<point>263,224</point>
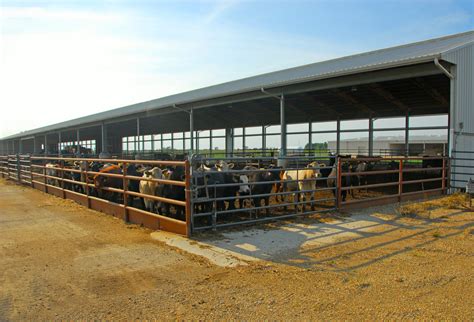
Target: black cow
<point>345,180</point>
<point>264,188</point>
<point>134,185</point>
<point>101,181</point>
<point>174,192</point>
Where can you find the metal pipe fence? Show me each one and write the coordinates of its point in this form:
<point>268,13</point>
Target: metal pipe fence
<point>462,168</point>
<point>248,190</point>
<point>401,177</point>
<point>74,178</point>
<point>213,193</point>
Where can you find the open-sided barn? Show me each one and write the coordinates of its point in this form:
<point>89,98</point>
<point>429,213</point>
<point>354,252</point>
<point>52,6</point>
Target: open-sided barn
<point>335,97</point>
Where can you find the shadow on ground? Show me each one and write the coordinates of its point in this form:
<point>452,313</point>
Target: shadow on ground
<point>342,243</point>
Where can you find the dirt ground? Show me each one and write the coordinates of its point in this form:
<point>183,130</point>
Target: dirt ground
<point>59,260</point>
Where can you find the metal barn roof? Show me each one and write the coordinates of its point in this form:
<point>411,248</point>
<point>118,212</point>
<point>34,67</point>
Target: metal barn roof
<point>414,53</point>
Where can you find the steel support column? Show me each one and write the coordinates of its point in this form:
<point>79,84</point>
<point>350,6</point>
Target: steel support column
<point>338,136</point>
<point>407,133</point>
<point>137,145</point>
<point>229,142</point>
<point>59,143</point>
<point>191,131</point>
<point>310,138</point>
<point>103,137</point>
<point>243,141</point>
<point>46,151</point>
<point>78,145</point>
<point>283,144</point>
<point>371,136</point>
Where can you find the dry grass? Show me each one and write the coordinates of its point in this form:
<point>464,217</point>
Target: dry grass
<point>424,209</point>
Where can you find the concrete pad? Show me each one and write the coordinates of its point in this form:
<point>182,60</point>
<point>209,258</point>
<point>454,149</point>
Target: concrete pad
<point>215,255</point>
<point>271,244</point>
<point>234,248</point>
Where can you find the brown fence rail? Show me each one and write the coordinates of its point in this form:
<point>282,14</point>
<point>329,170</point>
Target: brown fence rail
<point>113,192</point>
<point>230,191</point>
<point>189,197</point>
<point>370,181</point>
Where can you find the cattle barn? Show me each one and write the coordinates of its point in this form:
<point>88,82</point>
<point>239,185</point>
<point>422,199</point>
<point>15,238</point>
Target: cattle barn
<point>272,124</point>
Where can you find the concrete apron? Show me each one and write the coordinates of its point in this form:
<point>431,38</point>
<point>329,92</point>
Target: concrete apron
<point>234,248</point>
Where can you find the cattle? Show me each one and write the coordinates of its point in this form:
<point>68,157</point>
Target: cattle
<point>259,187</point>
<point>77,176</point>
<point>51,171</point>
<point>428,163</point>
<point>134,184</point>
<point>101,181</point>
<point>174,192</point>
<point>358,179</point>
<point>302,180</point>
<point>231,185</point>
<point>152,188</point>
<point>345,180</point>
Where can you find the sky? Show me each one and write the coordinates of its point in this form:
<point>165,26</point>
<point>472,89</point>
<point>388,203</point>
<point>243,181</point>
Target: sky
<point>61,60</point>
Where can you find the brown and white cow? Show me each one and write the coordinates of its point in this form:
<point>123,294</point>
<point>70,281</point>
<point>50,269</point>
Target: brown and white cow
<point>302,180</point>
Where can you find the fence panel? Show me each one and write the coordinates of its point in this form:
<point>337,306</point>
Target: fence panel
<point>211,193</point>
<point>235,191</point>
<point>368,180</point>
<point>112,186</point>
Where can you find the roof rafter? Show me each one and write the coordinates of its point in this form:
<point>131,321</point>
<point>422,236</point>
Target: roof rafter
<point>352,100</point>
<point>321,105</point>
<point>382,92</point>
<point>420,83</point>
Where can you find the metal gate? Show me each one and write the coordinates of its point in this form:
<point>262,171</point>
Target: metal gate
<point>224,192</point>
<point>54,175</point>
<point>247,190</point>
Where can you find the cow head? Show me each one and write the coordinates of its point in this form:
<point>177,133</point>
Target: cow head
<point>244,189</point>
<point>221,165</point>
<point>315,167</point>
<point>100,181</point>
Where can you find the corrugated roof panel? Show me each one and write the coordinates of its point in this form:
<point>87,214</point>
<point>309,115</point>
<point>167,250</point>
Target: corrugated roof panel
<point>384,58</point>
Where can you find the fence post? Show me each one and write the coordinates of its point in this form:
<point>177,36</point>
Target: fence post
<point>8,168</point>
<point>188,209</point>
<point>45,181</point>
<point>61,165</point>
<point>125,185</point>
<point>18,168</point>
<point>31,170</point>
<point>443,177</point>
<point>86,180</point>
<point>400,180</point>
<point>339,182</point>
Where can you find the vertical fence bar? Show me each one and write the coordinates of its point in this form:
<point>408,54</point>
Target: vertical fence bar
<point>61,165</point>
<point>443,176</point>
<point>18,168</point>
<point>86,179</point>
<point>339,182</point>
<point>44,177</point>
<point>125,196</point>
<point>188,209</point>
<point>31,170</point>
<point>400,180</point>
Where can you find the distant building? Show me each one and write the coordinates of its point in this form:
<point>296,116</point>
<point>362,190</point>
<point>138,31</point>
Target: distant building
<point>394,145</point>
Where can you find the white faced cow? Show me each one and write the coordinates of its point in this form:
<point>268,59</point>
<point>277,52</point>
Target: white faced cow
<point>302,180</point>
<point>51,171</point>
<point>152,188</point>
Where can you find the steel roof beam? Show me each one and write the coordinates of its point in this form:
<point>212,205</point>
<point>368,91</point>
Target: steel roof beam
<point>379,90</point>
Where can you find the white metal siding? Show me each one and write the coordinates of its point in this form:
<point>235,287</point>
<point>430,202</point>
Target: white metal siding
<point>462,114</point>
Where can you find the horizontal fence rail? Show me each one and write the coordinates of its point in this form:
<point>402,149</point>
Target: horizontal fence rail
<point>215,192</point>
<point>247,190</point>
<point>118,192</point>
